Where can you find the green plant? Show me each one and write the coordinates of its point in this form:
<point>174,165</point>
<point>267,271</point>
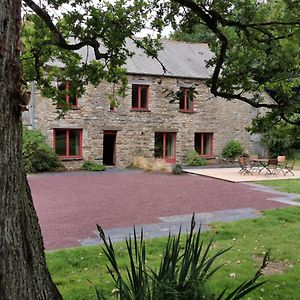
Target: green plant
<point>38,156</point>
<point>92,166</point>
<point>193,159</point>
<point>183,272</point>
<point>177,170</point>
<point>232,149</point>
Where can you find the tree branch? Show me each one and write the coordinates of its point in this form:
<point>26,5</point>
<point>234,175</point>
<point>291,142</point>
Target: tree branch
<point>58,38</point>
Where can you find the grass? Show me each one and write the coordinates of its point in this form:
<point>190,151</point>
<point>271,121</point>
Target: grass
<point>279,230</point>
<point>286,185</point>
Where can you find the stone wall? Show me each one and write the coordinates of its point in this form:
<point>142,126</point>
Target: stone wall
<point>136,129</point>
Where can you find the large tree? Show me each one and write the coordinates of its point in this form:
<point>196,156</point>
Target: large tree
<point>246,33</point>
<point>23,270</point>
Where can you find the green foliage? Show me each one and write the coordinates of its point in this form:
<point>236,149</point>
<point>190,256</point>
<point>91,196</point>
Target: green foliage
<point>192,33</point>
<point>103,25</point>
<point>279,137</point>
<point>177,169</point>
<point>193,159</point>
<point>258,49</point>
<point>38,156</point>
<point>183,272</point>
<point>232,149</point>
<point>92,166</point>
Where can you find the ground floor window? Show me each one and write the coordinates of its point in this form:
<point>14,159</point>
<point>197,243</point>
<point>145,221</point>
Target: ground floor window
<point>204,143</point>
<point>68,143</point>
<point>165,146</point>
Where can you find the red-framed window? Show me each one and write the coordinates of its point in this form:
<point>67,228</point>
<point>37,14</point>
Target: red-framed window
<point>68,142</point>
<point>140,96</point>
<point>186,100</point>
<point>204,143</point>
<point>165,146</point>
<point>68,94</point>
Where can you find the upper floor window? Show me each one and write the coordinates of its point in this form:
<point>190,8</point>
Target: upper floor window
<point>68,94</point>
<point>139,97</point>
<point>186,103</point>
<point>68,143</point>
<point>204,143</point>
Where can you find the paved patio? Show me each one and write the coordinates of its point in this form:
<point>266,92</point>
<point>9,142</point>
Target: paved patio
<point>70,204</point>
<point>232,174</point>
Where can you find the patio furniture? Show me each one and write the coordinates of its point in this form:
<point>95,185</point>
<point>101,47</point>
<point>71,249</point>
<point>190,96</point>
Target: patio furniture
<point>289,168</point>
<point>281,163</point>
<point>271,167</point>
<point>255,164</point>
<point>245,166</point>
<point>259,164</point>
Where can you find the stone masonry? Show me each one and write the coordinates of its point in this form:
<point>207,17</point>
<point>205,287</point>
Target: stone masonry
<point>135,130</point>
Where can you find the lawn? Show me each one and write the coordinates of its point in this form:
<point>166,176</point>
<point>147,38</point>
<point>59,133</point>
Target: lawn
<point>287,185</point>
<point>73,270</point>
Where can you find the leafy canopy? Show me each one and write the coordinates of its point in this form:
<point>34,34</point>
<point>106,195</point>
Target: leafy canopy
<point>256,44</point>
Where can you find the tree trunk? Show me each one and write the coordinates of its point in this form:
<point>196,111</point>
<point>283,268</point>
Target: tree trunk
<point>23,270</point>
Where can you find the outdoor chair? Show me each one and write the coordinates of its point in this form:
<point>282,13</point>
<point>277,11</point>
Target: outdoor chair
<point>255,165</point>
<point>271,167</point>
<point>289,168</point>
<point>281,163</point>
<point>245,166</point>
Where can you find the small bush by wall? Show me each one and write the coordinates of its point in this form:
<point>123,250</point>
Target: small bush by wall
<point>193,159</point>
<point>177,170</point>
<point>38,156</point>
<point>232,149</point>
<point>140,162</point>
<point>92,166</point>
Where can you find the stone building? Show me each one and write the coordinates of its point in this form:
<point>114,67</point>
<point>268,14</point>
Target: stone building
<point>145,122</point>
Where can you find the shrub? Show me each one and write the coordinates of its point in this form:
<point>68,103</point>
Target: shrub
<point>92,166</point>
<point>184,270</point>
<point>177,170</point>
<point>193,159</point>
<point>161,166</point>
<point>232,149</point>
<point>38,156</point>
<point>141,162</point>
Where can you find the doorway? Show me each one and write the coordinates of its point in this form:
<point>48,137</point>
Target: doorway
<point>109,147</point>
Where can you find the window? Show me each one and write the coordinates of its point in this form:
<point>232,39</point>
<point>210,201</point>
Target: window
<point>186,103</point>
<point>204,143</point>
<point>68,143</point>
<point>165,146</point>
<point>139,97</point>
<point>67,94</point>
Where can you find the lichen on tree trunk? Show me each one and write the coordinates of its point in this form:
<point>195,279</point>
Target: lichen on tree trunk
<point>23,269</point>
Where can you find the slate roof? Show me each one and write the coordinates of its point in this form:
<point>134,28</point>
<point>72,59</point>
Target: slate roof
<point>181,59</point>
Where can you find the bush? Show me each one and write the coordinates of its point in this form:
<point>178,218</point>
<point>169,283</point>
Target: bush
<point>232,149</point>
<point>140,162</point>
<point>185,268</point>
<point>92,166</point>
<point>177,170</point>
<point>38,156</point>
<point>193,159</point>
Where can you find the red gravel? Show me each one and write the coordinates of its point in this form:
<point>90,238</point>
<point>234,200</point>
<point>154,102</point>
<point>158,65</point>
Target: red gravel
<point>69,205</point>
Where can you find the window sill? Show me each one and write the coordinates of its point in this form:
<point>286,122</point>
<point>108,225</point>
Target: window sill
<point>65,158</point>
<point>67,108</point>
<point>207,156</point>
<point>186,111</point>
<point>140,110</point>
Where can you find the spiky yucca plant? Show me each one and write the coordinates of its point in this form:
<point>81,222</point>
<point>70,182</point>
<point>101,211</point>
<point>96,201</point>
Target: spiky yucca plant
<point>183,273</point>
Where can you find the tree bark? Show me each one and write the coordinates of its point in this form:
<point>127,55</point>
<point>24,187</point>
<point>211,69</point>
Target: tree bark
<point>23,269</point>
